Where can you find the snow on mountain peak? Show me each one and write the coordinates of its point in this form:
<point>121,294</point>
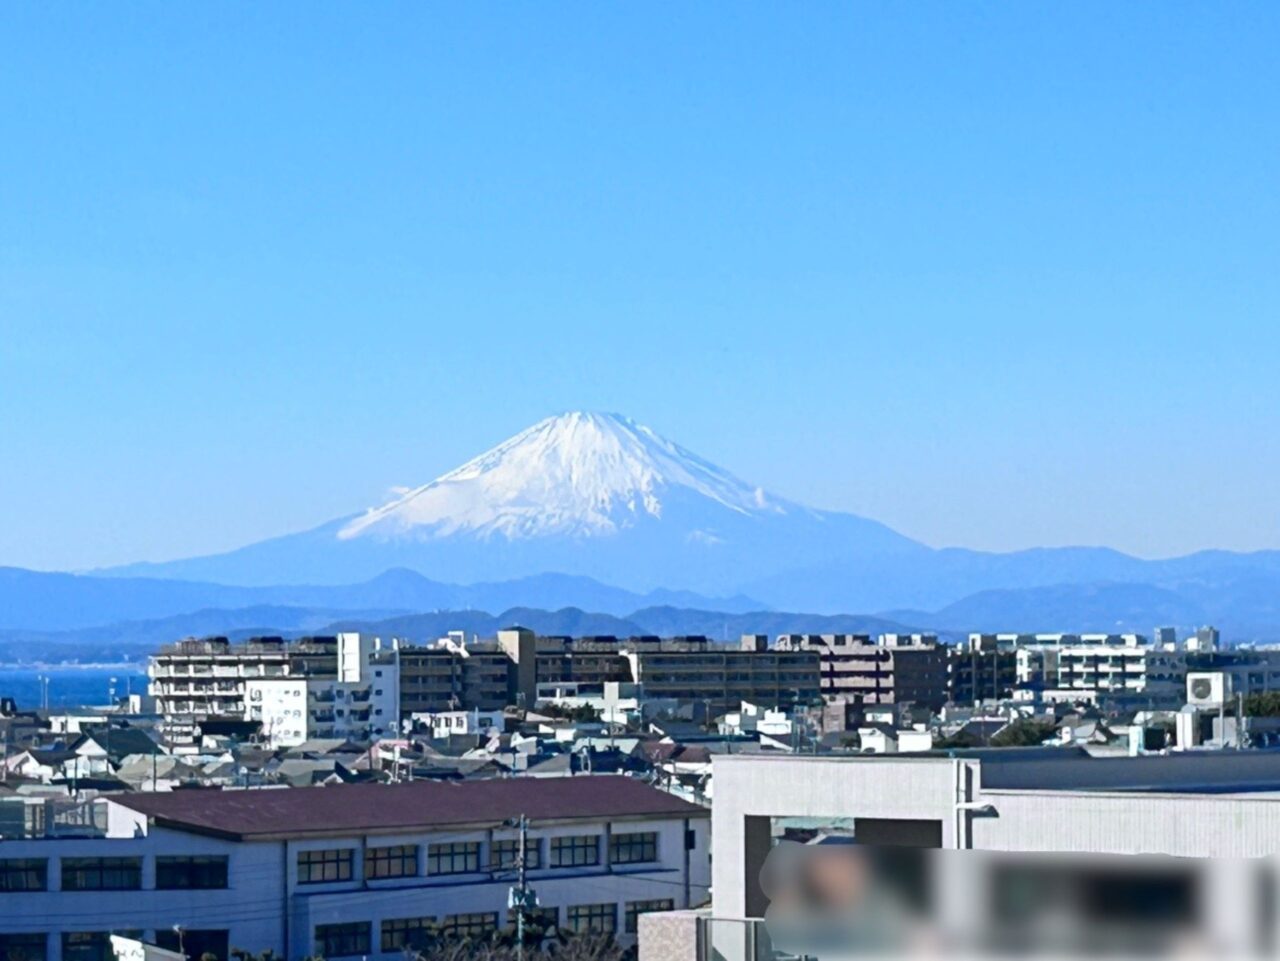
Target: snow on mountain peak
<point>578,474</point>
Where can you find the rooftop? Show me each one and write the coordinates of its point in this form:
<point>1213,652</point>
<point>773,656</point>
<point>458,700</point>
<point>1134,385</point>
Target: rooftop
<point>386,808</point>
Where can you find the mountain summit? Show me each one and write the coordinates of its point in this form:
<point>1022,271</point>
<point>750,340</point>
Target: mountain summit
<point>577,474</point>
<point>579,493</point>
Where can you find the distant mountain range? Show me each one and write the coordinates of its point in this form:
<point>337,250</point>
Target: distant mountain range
<point>596,513</point>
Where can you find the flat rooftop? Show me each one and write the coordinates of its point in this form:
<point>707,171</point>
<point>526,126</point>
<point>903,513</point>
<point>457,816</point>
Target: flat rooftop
<point>268,814</point>
<point>1073,769</point>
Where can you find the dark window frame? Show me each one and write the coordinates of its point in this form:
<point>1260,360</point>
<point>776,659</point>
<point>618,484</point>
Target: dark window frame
<point>575,851</point>
<point>29,946</point>
<point>326,865</point>
<point>502,854</point>
<point>635,847</point>
<point>24,874</point>
<point>344,940</point>
<point>396,934</point>
<point>601,918</point>
<point>393,861</point>
<point>472,924</point>
<point>197,872</point>
<point>453,857</point>
<point>101,874</point>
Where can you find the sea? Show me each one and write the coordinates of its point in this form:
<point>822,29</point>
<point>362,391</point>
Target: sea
<point>71,685</point>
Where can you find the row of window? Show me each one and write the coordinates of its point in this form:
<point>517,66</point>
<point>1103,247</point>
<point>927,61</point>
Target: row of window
<point>96,945</point>
<point>400,934</point>
<point>463,857</point>
<point>115,874</point>
<point>207,872</point>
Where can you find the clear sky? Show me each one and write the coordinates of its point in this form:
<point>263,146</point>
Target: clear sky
<point>998,275</point>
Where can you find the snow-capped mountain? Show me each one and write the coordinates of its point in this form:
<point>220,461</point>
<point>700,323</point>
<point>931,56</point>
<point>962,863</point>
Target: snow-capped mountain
<point>576,475</point>
<point>579,493</point>
<point>601,496</point>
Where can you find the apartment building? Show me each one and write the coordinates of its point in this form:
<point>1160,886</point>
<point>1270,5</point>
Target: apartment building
<point>981,670</point>
<point>457,674</point>
<point>588,663</point>
<point>720,676</point>
<point>344,685</point>
<point>349,870</point>
<point>893,669</point>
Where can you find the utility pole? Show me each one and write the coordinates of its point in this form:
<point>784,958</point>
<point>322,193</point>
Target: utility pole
<point>106,743</point>
<point>521,898</point>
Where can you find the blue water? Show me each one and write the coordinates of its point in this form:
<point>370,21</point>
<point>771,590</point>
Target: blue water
<point>71,685</point>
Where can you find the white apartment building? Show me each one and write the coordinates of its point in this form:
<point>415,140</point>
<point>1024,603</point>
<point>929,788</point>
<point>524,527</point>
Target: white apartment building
<point>344,686</point>
<point>349,870</point>
<point>361,701</point>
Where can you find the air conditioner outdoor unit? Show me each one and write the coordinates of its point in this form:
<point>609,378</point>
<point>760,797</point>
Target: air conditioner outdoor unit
<point>1207,689</point>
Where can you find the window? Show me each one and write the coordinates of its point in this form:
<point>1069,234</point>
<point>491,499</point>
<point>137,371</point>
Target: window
<point>633,848</point>
<point>503,855</point>
<point>469,925</point>
<point>401,933</point>
<point>23,874</point>
<point>196,943</point>
<point>91,945</point>
<point>400,861</point>
<point>636,908</point>
<point>458,857</point>
<point>535,919</point>
<point>594,918</point>
<point>175,873</point>
<point>23,947</point>
<point>575,851</point>
<point>342,940</point>
<point>317,867</point>
<point>101,874</point>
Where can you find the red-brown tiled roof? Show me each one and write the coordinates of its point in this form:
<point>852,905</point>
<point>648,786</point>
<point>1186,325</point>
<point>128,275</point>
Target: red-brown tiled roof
<point>375,808</point>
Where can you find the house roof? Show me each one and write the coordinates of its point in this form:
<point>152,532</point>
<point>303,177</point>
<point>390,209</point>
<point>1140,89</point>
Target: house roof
<point>120,742</point>
<point>377,808</point>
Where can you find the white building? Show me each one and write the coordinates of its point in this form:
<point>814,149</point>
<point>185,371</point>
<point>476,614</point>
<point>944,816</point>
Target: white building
<point>445,723</point>
<point>346,686</point>
<point>348,871</point>
<point>1220,807</point>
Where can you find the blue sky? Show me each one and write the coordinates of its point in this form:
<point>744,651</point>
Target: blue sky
<point>998,275</point>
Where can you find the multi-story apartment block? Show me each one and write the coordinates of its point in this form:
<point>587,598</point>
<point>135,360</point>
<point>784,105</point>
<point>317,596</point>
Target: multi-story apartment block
<point>720,676</point>
<point>455,674</point>
<point>895,669</point>
<point>340,686</point>
<point>981,671</point>
<point>350,871</point>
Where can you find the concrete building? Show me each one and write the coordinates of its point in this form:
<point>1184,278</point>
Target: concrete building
<point>340,686</point>
<point>1053,803</point>
<point>720,677</point>
<point>895,669</point>
<point>347,871</point>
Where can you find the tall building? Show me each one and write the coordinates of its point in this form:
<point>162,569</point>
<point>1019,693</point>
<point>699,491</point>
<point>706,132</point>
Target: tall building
<point>331,686</point>
<point>895,669</point>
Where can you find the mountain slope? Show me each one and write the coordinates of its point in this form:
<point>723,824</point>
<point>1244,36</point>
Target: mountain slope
<point>40,601</point>
<point>582,494</point>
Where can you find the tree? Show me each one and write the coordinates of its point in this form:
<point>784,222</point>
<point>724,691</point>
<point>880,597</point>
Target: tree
<point>1262,704</point>
<point>1023,733</point>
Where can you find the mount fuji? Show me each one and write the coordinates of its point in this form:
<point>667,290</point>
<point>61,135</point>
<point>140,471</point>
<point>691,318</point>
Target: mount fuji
<point>601,496</point>
<point>580,493</point>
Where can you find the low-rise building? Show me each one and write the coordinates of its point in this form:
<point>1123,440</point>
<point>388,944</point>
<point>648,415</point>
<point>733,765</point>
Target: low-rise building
<point>348,871</point>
